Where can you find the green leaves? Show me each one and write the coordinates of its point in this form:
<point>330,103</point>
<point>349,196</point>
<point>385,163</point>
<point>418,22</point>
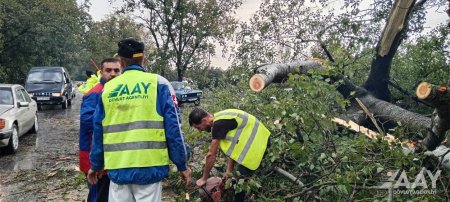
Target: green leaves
<point>44,33</point>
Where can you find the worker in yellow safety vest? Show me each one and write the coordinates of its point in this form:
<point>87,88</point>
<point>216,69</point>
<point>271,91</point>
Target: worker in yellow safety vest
<point>238,134</point>
<point>91,81</point>
<point>137,131</point>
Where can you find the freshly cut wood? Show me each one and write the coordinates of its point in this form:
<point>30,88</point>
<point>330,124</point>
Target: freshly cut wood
<point>442,152</point>
<point>365,131</point>
<point>439,98</point>
<point>423,90</point>
<point>374,122</point>
<point>274,73</point>
<point>258,82</point>
<point>435,95</point>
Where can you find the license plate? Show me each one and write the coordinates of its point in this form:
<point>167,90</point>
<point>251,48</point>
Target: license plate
<point>43,98</point>
<point>193,99</point>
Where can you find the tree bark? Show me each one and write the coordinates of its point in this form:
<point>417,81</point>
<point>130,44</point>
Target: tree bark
<point>383,111</point>
<point>393,35</point>
<point>266,74</point>
<point>439,98</point>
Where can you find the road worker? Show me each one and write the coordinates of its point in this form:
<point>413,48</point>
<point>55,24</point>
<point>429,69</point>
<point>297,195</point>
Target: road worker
<point>137,131</point>
<point>238,134</point>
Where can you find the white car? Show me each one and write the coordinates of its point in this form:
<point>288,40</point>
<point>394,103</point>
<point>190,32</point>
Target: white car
<point>18,115</point>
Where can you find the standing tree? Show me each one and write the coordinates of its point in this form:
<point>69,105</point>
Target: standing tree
<point>39,33</point>
<point>184,30</point>
<point>102,37</point>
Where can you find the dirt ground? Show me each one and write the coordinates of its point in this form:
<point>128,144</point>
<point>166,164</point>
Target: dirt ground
<point>45,168</point>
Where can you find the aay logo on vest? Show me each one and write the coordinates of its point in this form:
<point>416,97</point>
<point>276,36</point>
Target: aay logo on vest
<point>129,92</point>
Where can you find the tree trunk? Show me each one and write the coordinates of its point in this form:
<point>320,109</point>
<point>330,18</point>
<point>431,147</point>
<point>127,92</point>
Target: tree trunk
<point>439,98</point>
<point>393,35</point>
<point>383,111</point>
<point>267,74</point>
<point>180,74</point>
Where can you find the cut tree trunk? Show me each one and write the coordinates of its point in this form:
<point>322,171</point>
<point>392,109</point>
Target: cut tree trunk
<point>266,74</point>
<point>439,98</point>
<point>385,112</point>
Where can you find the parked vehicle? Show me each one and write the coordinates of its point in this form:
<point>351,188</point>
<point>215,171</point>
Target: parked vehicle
<point>18,115</point>
<point>185,94</point>
<point>50,85</point>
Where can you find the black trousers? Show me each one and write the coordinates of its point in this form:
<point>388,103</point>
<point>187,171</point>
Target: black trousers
<point>245,172</point>
<point>99,192</point>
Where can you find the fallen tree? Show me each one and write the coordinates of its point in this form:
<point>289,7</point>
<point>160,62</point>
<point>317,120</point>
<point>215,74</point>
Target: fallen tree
<point>431,130</point>
<point>439,98</point>
<point>375,94</point>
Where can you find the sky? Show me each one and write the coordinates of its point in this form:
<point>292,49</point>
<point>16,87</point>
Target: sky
<point>100,8</point>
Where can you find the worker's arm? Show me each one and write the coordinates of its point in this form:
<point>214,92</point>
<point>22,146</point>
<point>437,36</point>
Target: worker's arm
<point>210,159</point>
<point>96,156</point>
<point>230,167</point>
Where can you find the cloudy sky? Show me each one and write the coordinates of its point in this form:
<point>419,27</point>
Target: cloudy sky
<point>100,8</point>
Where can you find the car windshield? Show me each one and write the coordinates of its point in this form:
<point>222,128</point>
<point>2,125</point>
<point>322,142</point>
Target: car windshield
<point>6,97</point>
<point>178,85</point>
<point>44,77</point>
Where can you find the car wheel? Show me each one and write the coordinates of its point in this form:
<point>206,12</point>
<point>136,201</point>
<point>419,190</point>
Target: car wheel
<point>197,102</point>
<point>13,143</point>
<point>69,102</point>
<point>39,107</point>
<point>36,125</point>
<point>64,104</point>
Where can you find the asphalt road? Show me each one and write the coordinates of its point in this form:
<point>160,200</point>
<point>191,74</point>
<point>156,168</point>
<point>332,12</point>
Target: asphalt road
<point>45,167</point>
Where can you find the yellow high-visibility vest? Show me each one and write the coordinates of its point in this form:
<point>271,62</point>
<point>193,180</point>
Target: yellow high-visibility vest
<point>247,143</point>
<point>90,83</point>
<point>133,131</point>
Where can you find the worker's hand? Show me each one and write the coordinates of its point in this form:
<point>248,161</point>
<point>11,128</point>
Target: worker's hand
<point>200,182</point>
<point>187,176</point>
<point>226,175</point>
<point>94,176</point>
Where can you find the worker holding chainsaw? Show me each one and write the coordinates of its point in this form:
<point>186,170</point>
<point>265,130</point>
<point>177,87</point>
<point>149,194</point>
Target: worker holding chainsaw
<point>238,134</point>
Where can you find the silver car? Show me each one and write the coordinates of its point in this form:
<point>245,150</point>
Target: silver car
<point>18,115</point>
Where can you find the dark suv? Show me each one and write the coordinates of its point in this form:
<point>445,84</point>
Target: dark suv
<point>50,86</point>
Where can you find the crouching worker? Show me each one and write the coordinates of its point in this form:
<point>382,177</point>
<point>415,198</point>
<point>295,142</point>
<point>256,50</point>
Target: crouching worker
<point>238,134</point>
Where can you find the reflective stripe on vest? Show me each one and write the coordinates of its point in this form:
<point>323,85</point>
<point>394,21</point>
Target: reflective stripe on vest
<point>133,131</point>
<point>249,139</point>
<point>131,126</point>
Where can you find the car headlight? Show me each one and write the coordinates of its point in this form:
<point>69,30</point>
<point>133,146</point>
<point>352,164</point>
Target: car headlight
<point>199,94</point>
<point>2,123</point>
<point>183,96</point>
<point>56,94</point>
